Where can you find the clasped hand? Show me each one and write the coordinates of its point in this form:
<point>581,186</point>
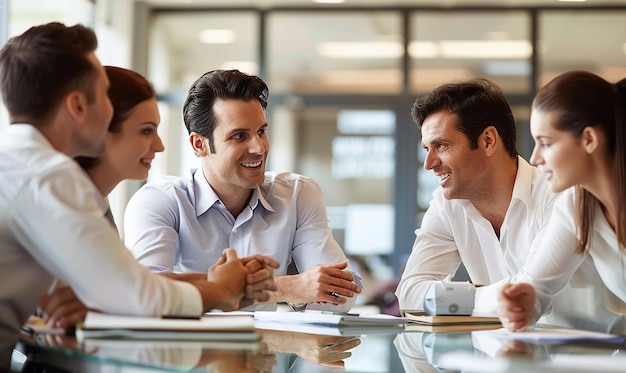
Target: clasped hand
<point>248,280</point>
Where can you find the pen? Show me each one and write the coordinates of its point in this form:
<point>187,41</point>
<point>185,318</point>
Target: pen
<point>180,317</point>
<point>53,286</point>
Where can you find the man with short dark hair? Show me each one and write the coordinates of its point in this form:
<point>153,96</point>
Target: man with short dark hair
<point>230,201</point>
<point>491,205</point>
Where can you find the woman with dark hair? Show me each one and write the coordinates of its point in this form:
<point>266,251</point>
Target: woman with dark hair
<point>132,141</point>
<point>578,123</point>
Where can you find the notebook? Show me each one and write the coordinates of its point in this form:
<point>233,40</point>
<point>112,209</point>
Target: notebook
<point>210,326</point>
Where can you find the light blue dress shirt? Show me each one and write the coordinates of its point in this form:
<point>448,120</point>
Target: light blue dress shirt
<point>180,224</point>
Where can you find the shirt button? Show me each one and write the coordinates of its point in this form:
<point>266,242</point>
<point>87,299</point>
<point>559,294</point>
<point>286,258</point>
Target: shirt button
<point>235,230</point>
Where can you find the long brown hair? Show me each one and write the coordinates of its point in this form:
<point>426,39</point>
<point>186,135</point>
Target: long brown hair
<point>582,99</point>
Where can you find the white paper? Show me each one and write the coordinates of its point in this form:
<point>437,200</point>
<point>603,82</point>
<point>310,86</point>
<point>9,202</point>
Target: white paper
<point>551,335</point>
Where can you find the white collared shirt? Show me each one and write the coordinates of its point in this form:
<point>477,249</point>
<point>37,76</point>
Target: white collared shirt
<point>601,272</point>
<point>453,231</point>
<point>52,224</point>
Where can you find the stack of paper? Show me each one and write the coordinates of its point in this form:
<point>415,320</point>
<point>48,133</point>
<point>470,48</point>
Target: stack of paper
<point>329,323</point>
<point>217,326</point>
<point>421,321</point>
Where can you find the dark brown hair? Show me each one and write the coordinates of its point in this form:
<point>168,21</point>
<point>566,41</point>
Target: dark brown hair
<point>477,103</point>
<point>582,99</point>
<point>225,84</point>
<point>39,67</point>
<point>127,89</point>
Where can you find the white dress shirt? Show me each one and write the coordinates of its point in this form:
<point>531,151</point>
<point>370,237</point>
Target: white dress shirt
<point>179,223</point>
<point>453,231</point>
<point>602,270</point>
<point>52,224</point>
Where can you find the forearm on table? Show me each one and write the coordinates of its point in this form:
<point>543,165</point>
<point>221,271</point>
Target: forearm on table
<point>411,291</point>
<point>291,289</point>
<point>287,289</point>
<point>215,296</point>
<point>186,277</point>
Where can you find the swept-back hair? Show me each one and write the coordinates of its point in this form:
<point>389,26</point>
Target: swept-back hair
<point>478,103</point>
<point>582,99</point>
<point>198,113</point>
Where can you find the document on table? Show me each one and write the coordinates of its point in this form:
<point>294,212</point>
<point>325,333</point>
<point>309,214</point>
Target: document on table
<point>548,335</point>
<point>327,330</point>
<point>208,327</point>
<point>267,318</point>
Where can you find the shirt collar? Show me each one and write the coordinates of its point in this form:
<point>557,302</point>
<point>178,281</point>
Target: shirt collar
<point>524,180</point>
<point>206,196</point>
<point>257,196</point>
<point>31,132</point>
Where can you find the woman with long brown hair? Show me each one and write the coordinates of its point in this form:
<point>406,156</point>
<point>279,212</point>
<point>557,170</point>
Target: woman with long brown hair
<point>578,123</point>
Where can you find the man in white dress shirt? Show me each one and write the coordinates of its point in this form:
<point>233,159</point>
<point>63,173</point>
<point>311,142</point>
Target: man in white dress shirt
<point>183,223</point>
<point>491,208</point>
<point>52,220</point>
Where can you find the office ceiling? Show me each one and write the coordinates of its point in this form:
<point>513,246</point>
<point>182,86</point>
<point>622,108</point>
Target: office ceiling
<point>349,3</point>
<point>600,46</point>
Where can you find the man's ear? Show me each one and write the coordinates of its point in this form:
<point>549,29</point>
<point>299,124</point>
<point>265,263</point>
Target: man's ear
<point>75,103</point>
<point>590,139</point>
<point>488,140</point>
<point>199,144</point>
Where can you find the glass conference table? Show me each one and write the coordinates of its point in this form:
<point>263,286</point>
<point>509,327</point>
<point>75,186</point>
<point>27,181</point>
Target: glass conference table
<point>286,351</point>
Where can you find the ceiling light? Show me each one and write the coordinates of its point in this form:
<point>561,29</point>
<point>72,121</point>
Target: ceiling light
<point>486,49</point>
<point>572,1</point>
<point>423,49</point>
<point>429,49</point>
<point>216,36</point>
<point>375,49</point>
<point>329,1</point>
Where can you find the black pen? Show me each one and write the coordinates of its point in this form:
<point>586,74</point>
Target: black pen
<point>180,317</point>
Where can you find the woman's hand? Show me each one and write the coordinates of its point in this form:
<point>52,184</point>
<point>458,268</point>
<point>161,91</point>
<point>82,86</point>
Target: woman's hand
<point>515,305</point>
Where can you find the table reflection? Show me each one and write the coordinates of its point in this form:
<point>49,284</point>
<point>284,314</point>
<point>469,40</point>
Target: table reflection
<point>479,352</point>
<point>420,352</point>
<point>314,352</point>
<point>277,351</point>
<point>291,352</point>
